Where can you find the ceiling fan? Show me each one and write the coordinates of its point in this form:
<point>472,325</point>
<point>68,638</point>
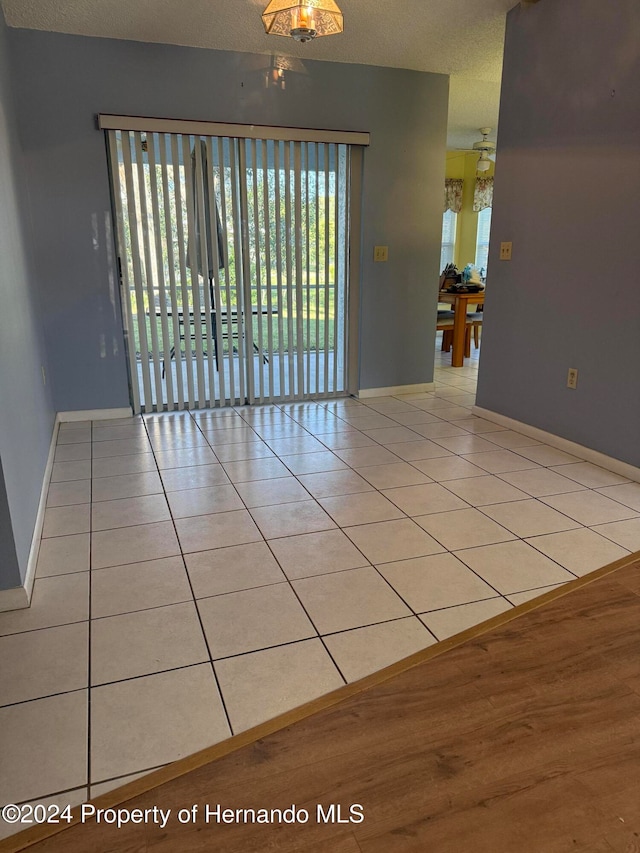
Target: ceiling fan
<point>487,150</point>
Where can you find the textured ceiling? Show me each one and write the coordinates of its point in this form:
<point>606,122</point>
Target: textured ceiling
<point>463,38</point>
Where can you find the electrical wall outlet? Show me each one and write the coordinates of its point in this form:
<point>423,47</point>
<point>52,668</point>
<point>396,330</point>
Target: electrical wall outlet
<point>505,251</point>
<point>572,378</point>
<point>380,253</point>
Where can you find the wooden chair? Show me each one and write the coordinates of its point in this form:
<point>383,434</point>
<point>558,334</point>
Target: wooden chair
<point>475,320</point>
<point>444,324</point>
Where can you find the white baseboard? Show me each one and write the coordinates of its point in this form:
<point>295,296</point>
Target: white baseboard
<point>95,415</point>
<point>624,469</point>
<point>19,597</point>
<point>396,390</point>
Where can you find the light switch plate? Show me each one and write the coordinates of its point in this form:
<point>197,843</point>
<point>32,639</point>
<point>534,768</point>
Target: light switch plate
<point>505,251</point>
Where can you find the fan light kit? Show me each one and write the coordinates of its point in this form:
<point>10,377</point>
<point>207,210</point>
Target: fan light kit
<point>303,20</point>
<point>484,163</point>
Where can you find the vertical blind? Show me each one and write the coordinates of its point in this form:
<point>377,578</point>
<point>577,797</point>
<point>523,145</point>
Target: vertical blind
<point>234,259</point>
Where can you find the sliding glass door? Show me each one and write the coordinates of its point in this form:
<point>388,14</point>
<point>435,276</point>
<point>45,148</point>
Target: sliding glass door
<point>234,263</point>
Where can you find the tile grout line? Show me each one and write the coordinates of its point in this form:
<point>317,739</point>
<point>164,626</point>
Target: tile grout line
<point>370,565</point>
<point>140,676</point>
<point>290,582</point>
<point>291,587</point>
<point>375,568</point>
<point>193,599</point>
<point>195,602</point>
<point>308,615</point>
<point>279,645</point>
<point>479,508</point>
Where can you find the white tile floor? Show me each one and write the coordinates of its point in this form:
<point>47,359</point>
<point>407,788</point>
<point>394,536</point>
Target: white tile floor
<point>201,573</point>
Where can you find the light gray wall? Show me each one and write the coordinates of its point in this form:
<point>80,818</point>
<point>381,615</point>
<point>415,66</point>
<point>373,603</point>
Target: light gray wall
<point>26,415</point>
<point>567,193</point>
<point>63,81</point>
<point>10,568</point>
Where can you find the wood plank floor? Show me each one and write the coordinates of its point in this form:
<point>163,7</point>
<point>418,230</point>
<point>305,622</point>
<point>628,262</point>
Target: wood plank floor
<point>523,738</point>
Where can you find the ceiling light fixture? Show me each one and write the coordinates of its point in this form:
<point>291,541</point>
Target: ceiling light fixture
<point>487,150</point>
<point>303,20</point>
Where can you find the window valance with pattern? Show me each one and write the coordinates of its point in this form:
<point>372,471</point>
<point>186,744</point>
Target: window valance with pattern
<point>483,194</point>
<point>453,194</point>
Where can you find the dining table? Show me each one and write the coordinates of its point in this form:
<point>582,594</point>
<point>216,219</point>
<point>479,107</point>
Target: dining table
<point>460,302</point>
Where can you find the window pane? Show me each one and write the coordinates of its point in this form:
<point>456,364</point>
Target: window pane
<point>482,241</point>
<point>448,238</point>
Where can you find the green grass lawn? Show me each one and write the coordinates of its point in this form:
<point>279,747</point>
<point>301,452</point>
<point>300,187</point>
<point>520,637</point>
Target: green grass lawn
<point>313,328</point>
<point>313,334</point>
